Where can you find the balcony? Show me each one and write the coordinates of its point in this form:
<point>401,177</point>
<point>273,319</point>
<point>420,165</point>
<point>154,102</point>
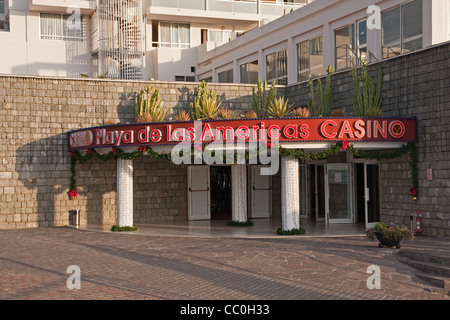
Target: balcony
<point>85,6</point>
<point>263,7</point>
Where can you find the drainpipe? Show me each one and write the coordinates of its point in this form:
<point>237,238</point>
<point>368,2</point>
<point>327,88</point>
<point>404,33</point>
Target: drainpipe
<point>258,6</point>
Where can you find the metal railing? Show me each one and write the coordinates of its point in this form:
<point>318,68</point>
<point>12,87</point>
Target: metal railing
<point>268,7</point>
<point>350,58</point>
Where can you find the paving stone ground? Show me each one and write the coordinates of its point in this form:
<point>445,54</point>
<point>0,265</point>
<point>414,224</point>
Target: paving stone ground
<point>126,266</point>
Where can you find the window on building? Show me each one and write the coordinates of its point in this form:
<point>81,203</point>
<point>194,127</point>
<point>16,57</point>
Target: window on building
<point>2,6</point>
<point>4,24</point>
<point>309,59</point>
<point>174,34</point>
<point>222,35</point>
<point>208,79</point>
<point>185,78</point>
<point>60,27</point>
<point>402,29</point>
<point>249,72</point>
<point>225,76</point>
<point>351,45</point>
<point>276,67</point>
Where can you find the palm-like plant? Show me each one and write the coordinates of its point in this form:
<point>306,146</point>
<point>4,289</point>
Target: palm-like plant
<point>183,116</point>
<point>226,114</point>
<point>301,112</point>
<point>279,108</point>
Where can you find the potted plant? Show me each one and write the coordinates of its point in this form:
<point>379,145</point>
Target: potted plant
<point>389,235</point>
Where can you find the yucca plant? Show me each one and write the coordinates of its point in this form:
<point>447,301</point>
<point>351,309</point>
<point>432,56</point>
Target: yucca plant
<point>262,98</point>
<point>148,102</point>
<point>279,108</point>
<point>301,112</point>
<point>206,104</point>
<point>183,116</point>
<point>367,101</point>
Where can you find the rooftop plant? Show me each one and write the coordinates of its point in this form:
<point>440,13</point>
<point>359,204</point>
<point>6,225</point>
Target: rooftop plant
<point>279,108</point>
<point>206,104</point>
<point>320,103</point>
<point>262,98</point>
<point>367,102</point>
<point>148,106</point>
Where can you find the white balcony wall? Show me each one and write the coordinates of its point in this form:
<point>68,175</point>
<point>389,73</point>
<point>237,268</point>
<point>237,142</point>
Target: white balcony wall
<point>23,52</point>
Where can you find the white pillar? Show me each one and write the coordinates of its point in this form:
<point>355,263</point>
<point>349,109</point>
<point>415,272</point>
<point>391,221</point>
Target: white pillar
<point>124,193</point>
<point>239,192</point>
<point>290,203</point>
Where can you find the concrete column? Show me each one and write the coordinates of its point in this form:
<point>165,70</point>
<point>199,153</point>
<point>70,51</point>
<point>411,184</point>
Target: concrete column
<point>124,193</point>
<point>236,73</point>
<point>239,192</point>
<point>328,47</point>
<point>290,196</point>
<point>292,61</point>
<point>261,65</point>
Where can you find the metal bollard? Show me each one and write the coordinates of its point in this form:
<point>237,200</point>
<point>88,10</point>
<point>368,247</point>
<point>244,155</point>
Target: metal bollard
<point>76,217</point>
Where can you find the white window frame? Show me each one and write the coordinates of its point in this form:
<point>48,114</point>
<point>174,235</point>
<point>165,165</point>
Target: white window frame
<point>60,36</point>
<point>308,69</point>
<point>171,43</point>
<point>402,40</point>
<point>279,79</point>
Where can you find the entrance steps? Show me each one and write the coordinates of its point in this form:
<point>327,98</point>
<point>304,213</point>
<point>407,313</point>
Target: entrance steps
<point>431,268</point>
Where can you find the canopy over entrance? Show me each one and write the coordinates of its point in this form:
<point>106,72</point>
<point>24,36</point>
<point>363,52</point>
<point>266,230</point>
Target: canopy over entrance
<point>277,143</point>
<point>290,132</point>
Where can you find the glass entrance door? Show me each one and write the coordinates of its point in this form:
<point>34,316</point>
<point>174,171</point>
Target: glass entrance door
<point>317,191</point>
<point>338,193</point>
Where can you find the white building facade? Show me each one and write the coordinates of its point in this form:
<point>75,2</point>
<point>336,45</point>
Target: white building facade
<point>341,34</point>
<point>124,39</point>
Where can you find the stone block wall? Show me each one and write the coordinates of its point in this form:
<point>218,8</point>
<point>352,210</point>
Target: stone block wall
<point>37,112</point>
<point>35,115</point>
<point>414,85</point>
<point>160,191</point>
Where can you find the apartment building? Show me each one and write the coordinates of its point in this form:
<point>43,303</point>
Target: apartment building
<point>341,34</point>
<point>124,39</point>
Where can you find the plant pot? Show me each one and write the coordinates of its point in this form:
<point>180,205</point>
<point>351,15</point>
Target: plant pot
<point>387,242</point>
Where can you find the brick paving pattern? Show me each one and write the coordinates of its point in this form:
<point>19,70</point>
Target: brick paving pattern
<point>33,265</point>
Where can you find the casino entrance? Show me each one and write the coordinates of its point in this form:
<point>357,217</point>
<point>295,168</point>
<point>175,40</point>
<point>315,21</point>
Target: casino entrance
<point>220,182</point>
<point>342,193</point>
<point>210,192</point>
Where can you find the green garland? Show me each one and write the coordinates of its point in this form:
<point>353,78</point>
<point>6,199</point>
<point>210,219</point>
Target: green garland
<point>117,153</point>
<point>409,148</point>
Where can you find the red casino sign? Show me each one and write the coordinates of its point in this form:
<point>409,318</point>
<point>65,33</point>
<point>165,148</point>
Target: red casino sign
<point>238,130</point>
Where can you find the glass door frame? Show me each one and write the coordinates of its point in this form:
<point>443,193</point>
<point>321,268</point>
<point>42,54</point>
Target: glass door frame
<point>367,224</point>
<point>316,190</point>
<point>350,195</point>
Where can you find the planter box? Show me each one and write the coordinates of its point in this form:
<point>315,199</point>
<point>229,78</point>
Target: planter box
<point>387,242</point>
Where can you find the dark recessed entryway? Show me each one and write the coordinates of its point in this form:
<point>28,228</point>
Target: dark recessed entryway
<point>220,192</point>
